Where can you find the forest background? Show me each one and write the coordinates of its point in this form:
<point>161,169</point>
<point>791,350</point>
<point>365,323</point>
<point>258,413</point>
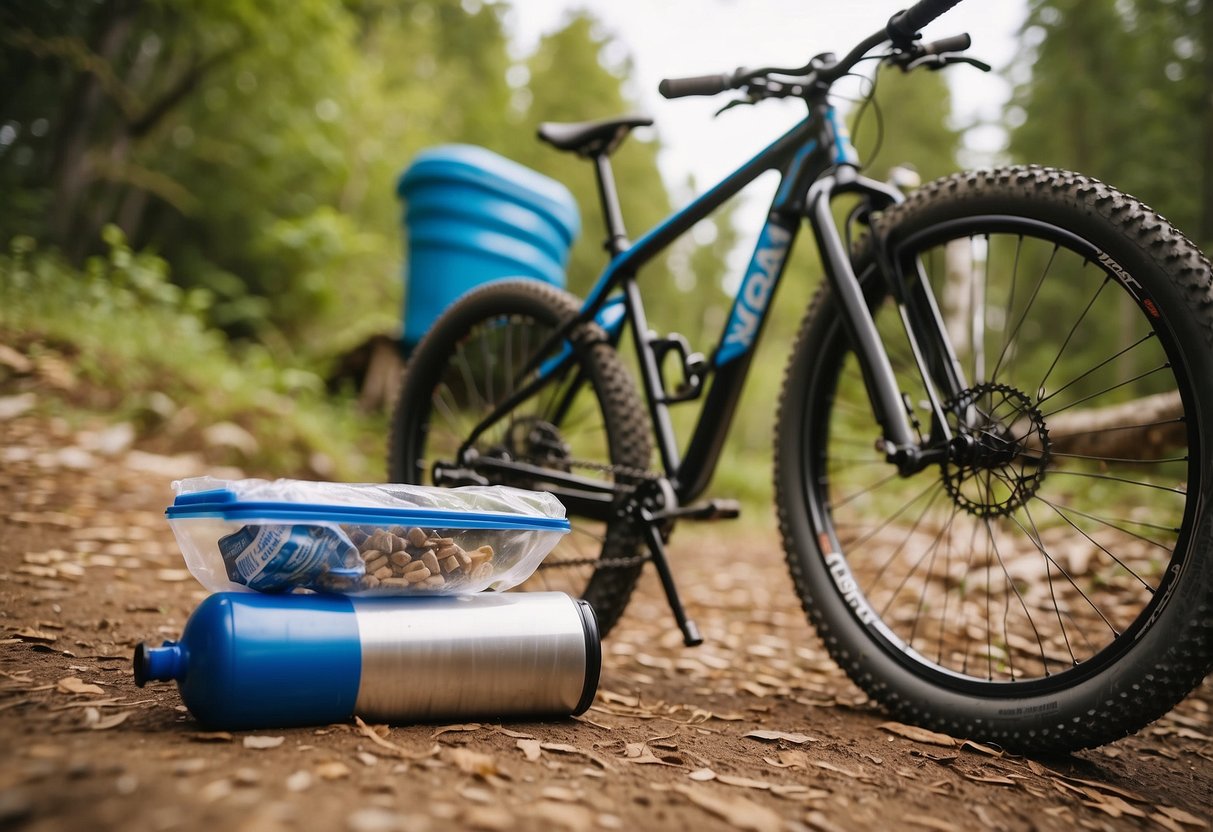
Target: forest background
<point>199,217</point>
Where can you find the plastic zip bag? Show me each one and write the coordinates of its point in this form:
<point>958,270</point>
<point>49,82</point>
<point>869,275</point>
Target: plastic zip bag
<point>391,539</point>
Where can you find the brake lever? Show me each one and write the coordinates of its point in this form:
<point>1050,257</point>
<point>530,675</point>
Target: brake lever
<point>938,62</point>
<point>736,102</point>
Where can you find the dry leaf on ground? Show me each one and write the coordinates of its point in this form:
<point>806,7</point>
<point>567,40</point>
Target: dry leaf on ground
<point>74,685</point>
<point>736,811</point>
<point>210,736</point>
<point>450,729</point>
<point>1186,818</point>
<point>333,770</point>
<point>110,721</point>
<point>563,815</point>
<point>531,749</point>
<point>396,750</point>
<point>913,732</point>
<point>773,736</point>
<point>471,762</point>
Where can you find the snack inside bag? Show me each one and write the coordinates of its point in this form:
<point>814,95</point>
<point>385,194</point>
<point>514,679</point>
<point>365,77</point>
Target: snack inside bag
<point>289,535</point>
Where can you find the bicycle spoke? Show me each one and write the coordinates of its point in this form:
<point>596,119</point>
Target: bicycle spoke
<point>1103,363</point>
<point>1099,545</point>
<point>1163,366</point>
<point>1031,300</point>
<point>1082,315</point>
<point>1118,479</point>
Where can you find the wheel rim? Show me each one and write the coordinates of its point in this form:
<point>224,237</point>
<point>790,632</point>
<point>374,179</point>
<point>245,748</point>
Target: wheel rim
<point>1037,551</point>
<point>551,429</point>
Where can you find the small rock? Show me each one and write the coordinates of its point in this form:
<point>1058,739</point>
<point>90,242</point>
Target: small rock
<point>300,781</point>
<point>374,820</point>
<point>13,406</point>
<point>15,361</point>
<point>109,442</point>
<point>231,435</point>
<point>260,742</point>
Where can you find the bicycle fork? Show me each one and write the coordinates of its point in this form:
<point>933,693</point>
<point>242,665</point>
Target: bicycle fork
<point>924,328</point>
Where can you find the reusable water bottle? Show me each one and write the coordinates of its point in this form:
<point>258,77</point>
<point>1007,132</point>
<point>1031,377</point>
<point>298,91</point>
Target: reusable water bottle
<point>247,660</point>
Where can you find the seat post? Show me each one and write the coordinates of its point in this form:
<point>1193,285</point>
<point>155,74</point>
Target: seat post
<point>617,235</point>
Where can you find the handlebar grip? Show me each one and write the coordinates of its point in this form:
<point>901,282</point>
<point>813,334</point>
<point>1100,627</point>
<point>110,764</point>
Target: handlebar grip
<point>904,25</point>
<point>699,85</point>
<point>956,43</point>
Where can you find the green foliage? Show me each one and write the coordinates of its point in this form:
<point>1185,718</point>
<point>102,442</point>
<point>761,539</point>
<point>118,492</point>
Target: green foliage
<point>130,335</point>
<point>1121,91</point>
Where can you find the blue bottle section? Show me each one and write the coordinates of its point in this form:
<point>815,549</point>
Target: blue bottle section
<point>474,216</point>
<point>267,661</point>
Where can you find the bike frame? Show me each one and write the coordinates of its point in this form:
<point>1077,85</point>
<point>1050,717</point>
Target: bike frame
<point>817,163</point>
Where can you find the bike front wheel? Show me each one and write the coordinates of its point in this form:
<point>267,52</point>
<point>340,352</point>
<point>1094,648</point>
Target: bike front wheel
<point>587,421</point>
<point>1048,584</point>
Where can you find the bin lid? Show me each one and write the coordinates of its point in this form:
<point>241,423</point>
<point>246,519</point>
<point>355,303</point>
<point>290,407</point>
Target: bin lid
<point>481,167</point>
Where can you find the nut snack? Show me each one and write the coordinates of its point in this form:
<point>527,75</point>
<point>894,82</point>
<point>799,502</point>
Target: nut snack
<point>290,535</point>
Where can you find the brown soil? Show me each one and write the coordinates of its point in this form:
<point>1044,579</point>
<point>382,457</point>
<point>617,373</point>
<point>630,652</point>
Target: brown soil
<point>88,568</point>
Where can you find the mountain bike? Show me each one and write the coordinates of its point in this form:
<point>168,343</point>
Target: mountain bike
<point>992,448</point>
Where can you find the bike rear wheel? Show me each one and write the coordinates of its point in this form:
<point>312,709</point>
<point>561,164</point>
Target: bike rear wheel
<point>1048,586</point>
<point>587,421</point>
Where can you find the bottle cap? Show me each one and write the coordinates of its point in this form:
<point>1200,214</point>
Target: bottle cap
<point>158,664</point>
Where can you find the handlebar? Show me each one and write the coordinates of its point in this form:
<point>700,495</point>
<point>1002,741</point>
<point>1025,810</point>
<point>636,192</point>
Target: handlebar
<point>698,85</point>
<point>903,27</point>
<point>901,30</point>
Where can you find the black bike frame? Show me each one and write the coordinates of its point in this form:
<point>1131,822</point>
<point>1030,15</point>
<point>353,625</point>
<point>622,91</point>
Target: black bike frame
<point>817,163</point>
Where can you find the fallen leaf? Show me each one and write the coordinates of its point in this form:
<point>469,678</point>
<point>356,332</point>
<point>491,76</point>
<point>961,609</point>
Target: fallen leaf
<point>702,774</point>
<point>931,823</point>
<point>261,742</point>
<point>572,749</point>
<point>993,780</point>
<point>173,576</point>
<point>30,634</point>
<point>969,745</point>
<point>449,729</point>
<point>110,721</point>
<point>471,762</point>
<point>791,758</point>
<point>612,697</point>
<point>640,753</point>
<point>561,794</point>
<point>773,736</point>
<point>853,774</point>
<point>1104,787</point>
<point>1166,823</point>
<point>334,770</point>
<point>489,818</point>
<point>73,684</point>
<point>736,811</point>
<point>744,782</point>
<point>913,732</point>
<point>518,735</point>
<point>1183,817</point>
<point>397,750</point>
<point>531,749</point>
<point>565,815</point>
<point>299,781</point>
<point>210,736</point>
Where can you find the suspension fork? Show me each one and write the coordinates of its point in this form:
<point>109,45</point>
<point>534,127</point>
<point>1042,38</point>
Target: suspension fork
<point>920,317</point>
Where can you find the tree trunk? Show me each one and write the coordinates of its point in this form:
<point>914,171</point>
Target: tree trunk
<point>1145,428</point>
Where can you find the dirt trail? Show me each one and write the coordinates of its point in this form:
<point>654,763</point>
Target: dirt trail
<point>88,568</point>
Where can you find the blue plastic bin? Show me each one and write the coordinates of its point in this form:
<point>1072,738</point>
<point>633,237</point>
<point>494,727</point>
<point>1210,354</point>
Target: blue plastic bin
<point>472,216</point>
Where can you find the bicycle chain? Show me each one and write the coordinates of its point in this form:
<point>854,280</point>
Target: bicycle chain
<point>639,475</point>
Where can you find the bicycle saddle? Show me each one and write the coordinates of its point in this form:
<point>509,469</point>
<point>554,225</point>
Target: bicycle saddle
<point>592,138</point>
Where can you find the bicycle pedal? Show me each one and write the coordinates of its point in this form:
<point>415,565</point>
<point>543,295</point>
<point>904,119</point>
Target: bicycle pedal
<point>715,509</point>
